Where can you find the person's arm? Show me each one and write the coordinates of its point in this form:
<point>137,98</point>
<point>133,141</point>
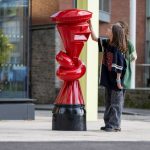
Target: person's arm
<point>118,80</point>
<point>117,66</point>
<point>132,52</point>
<point>93,36</point>
<point>120,65</point>
<point>133,56</point>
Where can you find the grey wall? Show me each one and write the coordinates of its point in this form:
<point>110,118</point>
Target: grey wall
<point>134,98</point>
<point>43,64</point>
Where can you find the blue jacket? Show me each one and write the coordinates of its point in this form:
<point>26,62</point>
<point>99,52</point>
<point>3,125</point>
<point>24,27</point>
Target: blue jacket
<point>113,62</point>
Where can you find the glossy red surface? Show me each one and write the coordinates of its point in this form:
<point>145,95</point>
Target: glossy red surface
<point>74,31</point>
<point>72,74</point>
<point>64,60</point>
<point>71,16</point>
<point>70,94</point>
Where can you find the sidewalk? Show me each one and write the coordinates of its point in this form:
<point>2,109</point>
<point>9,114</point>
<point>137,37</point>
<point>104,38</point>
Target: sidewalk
<point>128,111</point>
<point>134,128</point>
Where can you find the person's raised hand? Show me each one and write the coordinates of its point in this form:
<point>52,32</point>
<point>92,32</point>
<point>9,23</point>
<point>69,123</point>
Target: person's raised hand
<point>89,22</point>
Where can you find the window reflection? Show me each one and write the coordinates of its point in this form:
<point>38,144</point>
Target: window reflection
<point>13,48</point>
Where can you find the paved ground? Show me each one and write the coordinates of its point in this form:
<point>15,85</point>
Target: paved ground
<point>75,146</point>
<point>134,128</point>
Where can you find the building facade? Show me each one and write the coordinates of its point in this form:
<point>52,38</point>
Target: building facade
<point>121,11</point>
<point>30,40</point>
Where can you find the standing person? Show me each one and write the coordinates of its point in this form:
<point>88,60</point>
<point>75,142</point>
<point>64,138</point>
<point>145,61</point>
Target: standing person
<point>130,56</point>
<point>112,74</point>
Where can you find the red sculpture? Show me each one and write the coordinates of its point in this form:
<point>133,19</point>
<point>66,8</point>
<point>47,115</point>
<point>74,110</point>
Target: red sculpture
<point>69,112</point>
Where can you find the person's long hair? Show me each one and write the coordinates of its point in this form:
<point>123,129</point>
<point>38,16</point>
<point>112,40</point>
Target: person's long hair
<point>119,38</point>
<point>124,25</point>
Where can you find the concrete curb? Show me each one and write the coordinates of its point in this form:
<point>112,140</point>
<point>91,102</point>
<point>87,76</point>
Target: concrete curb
<point>126,111</point>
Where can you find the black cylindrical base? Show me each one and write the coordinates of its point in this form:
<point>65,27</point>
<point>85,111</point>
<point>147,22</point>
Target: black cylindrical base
<point>69,118</point>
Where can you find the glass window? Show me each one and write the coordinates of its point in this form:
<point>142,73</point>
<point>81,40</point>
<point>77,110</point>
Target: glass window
<point>104,10</point>
<point>101,5</point>
<point>148,26</point>
<point>14,48</point>
<point>148,8</point>
<point>104,5</point>
<point>146,66</point>
<point>143,70</point>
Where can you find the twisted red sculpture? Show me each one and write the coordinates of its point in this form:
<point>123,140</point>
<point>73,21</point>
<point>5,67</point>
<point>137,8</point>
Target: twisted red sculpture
<point>69,112</point>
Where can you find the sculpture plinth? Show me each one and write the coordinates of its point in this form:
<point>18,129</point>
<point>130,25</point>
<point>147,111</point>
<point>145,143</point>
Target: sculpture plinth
<point>69,112</point>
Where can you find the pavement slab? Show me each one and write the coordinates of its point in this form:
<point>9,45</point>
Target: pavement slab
<point>133,129</point>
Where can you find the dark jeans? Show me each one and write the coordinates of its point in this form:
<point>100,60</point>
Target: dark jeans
<point>114,101</point>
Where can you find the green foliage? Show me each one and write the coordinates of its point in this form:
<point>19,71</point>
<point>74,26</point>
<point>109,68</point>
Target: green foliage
<point>5,48</point>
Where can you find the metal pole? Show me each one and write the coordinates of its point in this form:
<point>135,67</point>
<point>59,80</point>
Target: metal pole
<point>133,36</point>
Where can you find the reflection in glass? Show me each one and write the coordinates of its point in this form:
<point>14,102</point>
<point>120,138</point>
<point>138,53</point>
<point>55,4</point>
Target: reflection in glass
<point>104,5</point>
<point>13,48</point>
<point>143,76</point>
